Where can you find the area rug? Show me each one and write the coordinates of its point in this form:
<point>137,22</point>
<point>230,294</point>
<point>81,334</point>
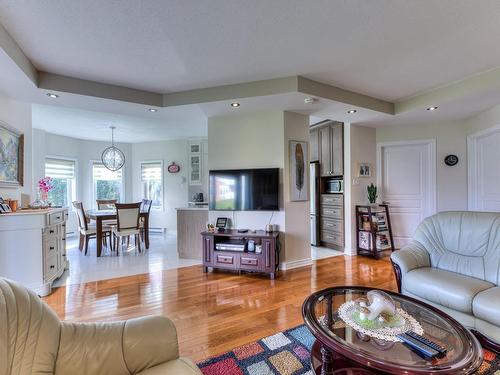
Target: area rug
<point>288,353</point>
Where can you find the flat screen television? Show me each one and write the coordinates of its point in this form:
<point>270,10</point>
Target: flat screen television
<point>244,189</point>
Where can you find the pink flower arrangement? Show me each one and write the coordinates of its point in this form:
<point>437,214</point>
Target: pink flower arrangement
<point>45,184</point>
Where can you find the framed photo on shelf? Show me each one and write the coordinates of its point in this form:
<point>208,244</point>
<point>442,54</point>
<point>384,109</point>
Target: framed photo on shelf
<point>364,170</point>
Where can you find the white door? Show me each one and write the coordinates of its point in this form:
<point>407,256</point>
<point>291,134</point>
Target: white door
<point>406,178</point>
<point>484,173</point>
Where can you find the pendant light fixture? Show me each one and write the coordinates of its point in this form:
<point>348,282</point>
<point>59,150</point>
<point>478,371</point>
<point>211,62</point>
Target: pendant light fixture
<point>112,157</point>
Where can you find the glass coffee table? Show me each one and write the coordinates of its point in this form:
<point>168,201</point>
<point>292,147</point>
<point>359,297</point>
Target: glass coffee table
<point>339,349</point>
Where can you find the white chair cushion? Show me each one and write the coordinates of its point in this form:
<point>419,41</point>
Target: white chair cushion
<point>125,232</point>
<point>91,229</point>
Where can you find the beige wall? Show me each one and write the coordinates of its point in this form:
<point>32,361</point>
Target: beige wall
<point>451,138</point>
<point>297,219</point>
<point>18,116</point>
<point>261,141</point>
<point>247,141</point>
<point>362,150</point>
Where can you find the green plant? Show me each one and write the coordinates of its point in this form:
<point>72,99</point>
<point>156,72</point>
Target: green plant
<point>372,193</point>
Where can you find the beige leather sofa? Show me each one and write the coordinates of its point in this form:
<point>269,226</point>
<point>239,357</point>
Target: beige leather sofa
<point>34,341</point>
<point>453,263</point>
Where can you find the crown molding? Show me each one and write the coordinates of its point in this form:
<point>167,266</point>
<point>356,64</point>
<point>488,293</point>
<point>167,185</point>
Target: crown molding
<point>12,49</point>
<point>55,82</point>
<point>323,90</point>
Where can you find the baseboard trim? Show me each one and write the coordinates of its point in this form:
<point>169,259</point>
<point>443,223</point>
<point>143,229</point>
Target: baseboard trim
<point>295,264</point>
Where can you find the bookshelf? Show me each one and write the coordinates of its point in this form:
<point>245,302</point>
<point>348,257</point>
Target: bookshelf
<point>373,230</point>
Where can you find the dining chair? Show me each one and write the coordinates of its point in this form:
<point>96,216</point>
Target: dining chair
<point>88,231</point>
<point>127,220</point>
<point>145,207</point>
<point>106,204</point>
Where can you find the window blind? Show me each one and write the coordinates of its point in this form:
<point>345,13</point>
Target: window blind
<point>100,172</point>
<point>59,168</point>
<point>151,171</point>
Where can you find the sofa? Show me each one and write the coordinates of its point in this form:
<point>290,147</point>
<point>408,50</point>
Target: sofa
<point>453,263</point>
<point>34,341</point>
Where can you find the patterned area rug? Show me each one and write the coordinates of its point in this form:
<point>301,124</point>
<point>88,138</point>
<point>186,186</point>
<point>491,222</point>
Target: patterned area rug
<point>288,353</point>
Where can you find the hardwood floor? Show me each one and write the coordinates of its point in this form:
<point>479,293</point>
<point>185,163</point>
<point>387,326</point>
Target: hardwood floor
<point>217,311</point>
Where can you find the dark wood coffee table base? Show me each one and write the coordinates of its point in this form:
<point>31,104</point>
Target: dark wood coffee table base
<point>327,362</point>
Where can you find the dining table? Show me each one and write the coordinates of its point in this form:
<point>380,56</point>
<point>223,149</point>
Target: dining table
<point>102,215</point>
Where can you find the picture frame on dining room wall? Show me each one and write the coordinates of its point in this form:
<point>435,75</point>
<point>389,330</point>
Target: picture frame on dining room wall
<point>11,156</point>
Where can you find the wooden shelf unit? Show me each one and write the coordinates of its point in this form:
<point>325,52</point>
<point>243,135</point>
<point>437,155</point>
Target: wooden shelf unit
<point>266,262</point>
<point>373,230</point>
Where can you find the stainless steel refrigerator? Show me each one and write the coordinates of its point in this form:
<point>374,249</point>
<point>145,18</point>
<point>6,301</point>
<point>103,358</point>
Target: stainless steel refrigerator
<point>314,189</point>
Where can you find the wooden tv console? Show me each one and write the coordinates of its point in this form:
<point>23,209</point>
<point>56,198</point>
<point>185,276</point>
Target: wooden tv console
<point>265,262</point>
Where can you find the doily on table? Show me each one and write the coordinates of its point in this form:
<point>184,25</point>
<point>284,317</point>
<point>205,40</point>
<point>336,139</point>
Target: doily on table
<point>347,309</point>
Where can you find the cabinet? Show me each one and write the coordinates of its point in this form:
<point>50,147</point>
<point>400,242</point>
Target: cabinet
<point>332,220</point>
<point>33,248</point>
<point>198,155</point>
<point>266,262</point>
<point>314,145</point>
<point>330,145</point>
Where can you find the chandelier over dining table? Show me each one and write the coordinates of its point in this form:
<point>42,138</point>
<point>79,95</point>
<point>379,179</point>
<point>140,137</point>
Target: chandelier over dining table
<point>112,157</point>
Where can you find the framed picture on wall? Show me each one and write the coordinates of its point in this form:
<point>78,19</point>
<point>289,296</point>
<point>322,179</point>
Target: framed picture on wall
<point>364,170</point>
<point>299,185</point>
<point>11,156</point>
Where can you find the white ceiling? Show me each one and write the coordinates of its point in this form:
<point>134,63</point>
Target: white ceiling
<point>91,125</point>
<point>385,48</point>
<point>389,49</point>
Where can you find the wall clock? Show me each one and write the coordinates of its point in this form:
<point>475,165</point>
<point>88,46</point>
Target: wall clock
<point>173,168</point>
<point>451,160</point>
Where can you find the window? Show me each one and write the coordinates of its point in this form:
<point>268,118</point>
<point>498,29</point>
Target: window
<point>62,172</point>
<point>152,182</point>
<point>106,184</point>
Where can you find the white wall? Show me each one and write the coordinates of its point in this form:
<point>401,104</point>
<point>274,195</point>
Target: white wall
<point>175,186</point>
<point>18,115</point>
<point>84,152</point>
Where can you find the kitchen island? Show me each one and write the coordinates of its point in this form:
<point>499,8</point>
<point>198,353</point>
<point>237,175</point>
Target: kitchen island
<point>191,221</point>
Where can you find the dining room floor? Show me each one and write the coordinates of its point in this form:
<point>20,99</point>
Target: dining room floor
<point>161,255</point>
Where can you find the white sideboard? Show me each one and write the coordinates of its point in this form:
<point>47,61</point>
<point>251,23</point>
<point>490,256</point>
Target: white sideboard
<point>33,247</point>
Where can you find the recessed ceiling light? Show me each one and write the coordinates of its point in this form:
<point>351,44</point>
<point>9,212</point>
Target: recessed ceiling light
<point>351,111</point>
<point>433,108</point>
<point>153,110</point>
<point>235,104</point>
<point>53,96</point>
<point>309,100</point>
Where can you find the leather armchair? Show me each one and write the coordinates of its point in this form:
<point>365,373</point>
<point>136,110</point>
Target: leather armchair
<point>453,263</point>
<point>34,341</point>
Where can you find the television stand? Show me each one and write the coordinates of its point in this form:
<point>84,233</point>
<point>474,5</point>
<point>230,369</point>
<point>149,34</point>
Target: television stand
<point>265,262</point>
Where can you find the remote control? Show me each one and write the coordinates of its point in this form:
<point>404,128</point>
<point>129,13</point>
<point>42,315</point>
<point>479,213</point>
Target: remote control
<point>442,351</point>
<point>421,348</point>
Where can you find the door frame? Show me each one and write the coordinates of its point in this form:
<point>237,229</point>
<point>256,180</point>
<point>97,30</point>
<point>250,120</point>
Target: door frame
<point>472,165</point>
<point>431,153</point>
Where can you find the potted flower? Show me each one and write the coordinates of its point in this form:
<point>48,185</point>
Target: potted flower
<point>44,186</point>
